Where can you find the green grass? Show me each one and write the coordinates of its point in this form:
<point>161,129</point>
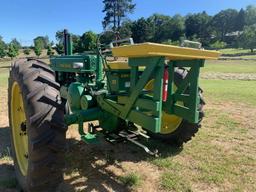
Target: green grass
<point>5,154</point>
<point>4,79</point>
<point>171,181</point>
<point>220,156</point>
<point>172,178</point>
<point>4,73</point>
<point>221,151</point>
<point>131,179</point>
<point>5,158</point>
<point>215,165</point>
<point>230,66</point>
<point>230,90</point>
<point>165,163</point>
<point>249,56</point>
<point>234,51</point>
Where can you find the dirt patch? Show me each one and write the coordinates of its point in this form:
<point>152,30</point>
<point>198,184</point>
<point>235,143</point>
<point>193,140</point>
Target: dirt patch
<point>102,164</point>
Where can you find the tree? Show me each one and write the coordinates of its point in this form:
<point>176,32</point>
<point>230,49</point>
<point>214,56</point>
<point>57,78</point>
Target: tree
<point>2,48</point>
<point>224,22</point>
<point>38,46</point>
<point>60,42</point>
<point>218,45</point>
<point>16,44</point>
<point>240,21</point>
<point>44,40</point>
<point>248,38</point>
<point>107,37</point>
<point>166,28</point>
<point>2,52</point>
<point>250,17</point>
<point>50,51</point>
<point>160,26</point>
<point>26,51</point>
<point>197,26</point>
<point>177,27</point>
<point>124,32</point>
<point>125,29</point>
<point>12,51</point>
<point>141,31</point>
<point>115,11</point>
<point>76,42</point>
<point>88,41</point>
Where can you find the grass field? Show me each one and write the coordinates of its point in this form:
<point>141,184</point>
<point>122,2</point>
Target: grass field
<point>234,51</point>
<point>230,66</point>
<point>239,53</point>
<point>221,157</point>
<point>230,90</point>
<point>4,68</point>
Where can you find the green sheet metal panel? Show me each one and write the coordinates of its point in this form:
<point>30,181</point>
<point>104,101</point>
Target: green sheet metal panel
<point>75,63</point>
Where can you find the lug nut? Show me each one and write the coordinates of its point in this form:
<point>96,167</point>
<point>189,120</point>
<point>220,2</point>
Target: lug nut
<point>23,126</point>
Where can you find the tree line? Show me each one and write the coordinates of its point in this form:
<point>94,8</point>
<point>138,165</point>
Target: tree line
<point>228,28</point>
<point>12,49</point>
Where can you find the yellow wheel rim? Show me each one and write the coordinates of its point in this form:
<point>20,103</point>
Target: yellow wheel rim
<point>169,122</point>
<point>19,135</point>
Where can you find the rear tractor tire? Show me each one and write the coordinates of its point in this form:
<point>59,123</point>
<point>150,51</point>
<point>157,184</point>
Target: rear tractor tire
<point>36,117</point>
<point>176,130</point>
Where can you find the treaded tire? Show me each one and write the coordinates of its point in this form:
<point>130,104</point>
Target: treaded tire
<point>186,130</point>
<point>46,129</point>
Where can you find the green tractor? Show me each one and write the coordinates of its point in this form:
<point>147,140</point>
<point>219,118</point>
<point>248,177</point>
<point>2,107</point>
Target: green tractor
<point>137,90</point>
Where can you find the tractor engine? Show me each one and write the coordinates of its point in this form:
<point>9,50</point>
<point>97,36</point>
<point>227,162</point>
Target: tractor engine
<point>77,77</point>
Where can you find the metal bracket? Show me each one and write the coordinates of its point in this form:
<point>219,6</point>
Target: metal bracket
<point>128,41</point>
<point>187,91</point>
<point>133,139</point>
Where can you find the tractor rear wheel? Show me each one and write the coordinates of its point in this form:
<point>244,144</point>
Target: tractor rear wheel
<point>36,117</point>
<point>176,130</point>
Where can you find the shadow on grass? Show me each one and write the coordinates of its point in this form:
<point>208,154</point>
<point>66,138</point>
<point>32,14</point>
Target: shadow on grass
<point>7,175</point>
<point>5,143</point>
<point>88,167</point>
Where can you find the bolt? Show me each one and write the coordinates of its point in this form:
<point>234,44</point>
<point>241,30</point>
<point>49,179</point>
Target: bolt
<point>23,126</point>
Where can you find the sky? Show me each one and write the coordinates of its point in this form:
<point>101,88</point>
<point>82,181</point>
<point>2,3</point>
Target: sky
<point>27,19</point>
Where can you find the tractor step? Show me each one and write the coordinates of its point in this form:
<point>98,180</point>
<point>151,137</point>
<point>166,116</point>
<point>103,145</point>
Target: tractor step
<point>90,138</point>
